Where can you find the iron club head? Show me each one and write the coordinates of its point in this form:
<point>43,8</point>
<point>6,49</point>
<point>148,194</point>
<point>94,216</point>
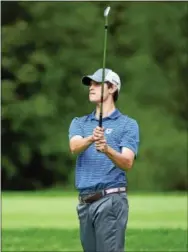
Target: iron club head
<point>106,12</point>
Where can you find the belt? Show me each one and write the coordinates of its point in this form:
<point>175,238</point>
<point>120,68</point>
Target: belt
<point>94,197</point>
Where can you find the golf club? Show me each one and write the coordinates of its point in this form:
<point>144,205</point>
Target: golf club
<point>106,12</point>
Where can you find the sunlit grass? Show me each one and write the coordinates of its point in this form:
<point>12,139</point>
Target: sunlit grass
<point>49,223</point>
<point>60,212</point>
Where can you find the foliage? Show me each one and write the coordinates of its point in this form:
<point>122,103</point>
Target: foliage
<point>48,46</point>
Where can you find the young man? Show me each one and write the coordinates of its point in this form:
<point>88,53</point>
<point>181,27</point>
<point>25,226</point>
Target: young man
<point>104,156</point>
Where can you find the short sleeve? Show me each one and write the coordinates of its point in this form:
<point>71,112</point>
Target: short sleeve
<point>130,138</point>
<point>75,128</point>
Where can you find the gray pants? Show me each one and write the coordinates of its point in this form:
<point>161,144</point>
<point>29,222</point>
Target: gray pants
<point>103,223</point>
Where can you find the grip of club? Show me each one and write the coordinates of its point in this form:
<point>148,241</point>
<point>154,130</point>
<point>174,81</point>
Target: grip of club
<point>100,120</point>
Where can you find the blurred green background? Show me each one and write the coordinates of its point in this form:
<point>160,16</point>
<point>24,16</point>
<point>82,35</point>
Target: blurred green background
<point>48,46</point>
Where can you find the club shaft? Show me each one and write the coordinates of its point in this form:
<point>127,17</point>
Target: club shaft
<point>103,73</point>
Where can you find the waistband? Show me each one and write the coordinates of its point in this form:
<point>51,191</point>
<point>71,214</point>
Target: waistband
<point>100,187</point>
<point>90,198</point>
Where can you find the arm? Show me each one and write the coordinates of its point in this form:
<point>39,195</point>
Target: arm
<point>79,144</point>
<point>129,146</point>
<point>123,160</point>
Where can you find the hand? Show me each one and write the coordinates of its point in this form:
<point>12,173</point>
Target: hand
<point>101,145</point>
<point>99,139</point>
<point>98,133</point>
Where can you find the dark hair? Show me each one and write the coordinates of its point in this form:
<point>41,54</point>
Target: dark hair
<point>115,94</point>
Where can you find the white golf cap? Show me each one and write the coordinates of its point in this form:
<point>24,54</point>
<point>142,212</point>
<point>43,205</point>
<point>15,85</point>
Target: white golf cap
<point>110,76</point>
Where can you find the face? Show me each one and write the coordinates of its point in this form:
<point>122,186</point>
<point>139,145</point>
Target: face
<point>95,92</point>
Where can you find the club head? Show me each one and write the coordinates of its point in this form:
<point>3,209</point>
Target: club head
<point>106,12</point>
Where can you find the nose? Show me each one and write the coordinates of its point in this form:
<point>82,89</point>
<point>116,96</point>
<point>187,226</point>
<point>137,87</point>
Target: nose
<point>91,86</point>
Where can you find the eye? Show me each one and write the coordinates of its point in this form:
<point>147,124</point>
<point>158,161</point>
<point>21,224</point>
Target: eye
<point>96,84</point>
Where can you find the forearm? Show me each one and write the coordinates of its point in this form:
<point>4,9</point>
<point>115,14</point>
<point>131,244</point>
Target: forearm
<point>120,160</point>
<point>79,145</point>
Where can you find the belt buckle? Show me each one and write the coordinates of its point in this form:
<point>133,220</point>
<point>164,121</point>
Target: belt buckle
<point>83,199</point>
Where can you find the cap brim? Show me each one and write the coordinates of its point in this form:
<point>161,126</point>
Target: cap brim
<point>86,80</point>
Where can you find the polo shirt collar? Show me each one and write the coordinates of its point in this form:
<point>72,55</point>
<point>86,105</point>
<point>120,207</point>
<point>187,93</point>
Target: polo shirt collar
<point>115,114</point>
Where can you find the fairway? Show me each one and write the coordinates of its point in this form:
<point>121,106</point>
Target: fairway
<point>49,223</point>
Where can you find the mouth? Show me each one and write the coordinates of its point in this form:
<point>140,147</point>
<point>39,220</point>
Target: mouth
<point>91,93</point>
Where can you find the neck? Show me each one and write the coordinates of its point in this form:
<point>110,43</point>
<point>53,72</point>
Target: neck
<point>108,108</point>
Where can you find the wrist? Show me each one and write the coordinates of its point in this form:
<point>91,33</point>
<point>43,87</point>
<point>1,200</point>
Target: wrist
<point>106,149</point>
<point>90,139</point>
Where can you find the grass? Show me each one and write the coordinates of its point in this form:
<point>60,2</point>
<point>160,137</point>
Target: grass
<point>48,222</point>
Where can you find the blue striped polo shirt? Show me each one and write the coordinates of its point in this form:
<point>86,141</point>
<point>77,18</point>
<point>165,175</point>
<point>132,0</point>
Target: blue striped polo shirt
<point>94,170</point>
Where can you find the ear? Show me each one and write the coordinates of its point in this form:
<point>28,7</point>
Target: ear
<point>112,89</point>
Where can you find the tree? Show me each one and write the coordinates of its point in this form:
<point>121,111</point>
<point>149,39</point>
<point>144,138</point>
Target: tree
<point>48,46</point>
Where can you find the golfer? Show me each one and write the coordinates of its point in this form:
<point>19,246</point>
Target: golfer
<point>105,155</point>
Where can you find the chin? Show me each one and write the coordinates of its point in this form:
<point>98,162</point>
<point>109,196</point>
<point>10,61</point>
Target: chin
<point>93,101</point>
